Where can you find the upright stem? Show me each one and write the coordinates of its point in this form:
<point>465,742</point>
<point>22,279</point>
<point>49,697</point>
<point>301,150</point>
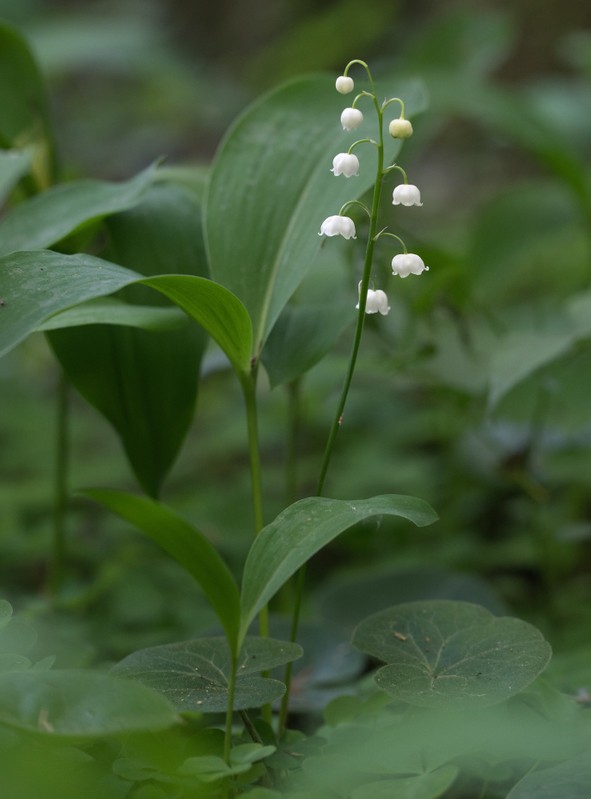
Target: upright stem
<point>338,417</point>
<point>60,488</point>
<point>230,708</point>
<point>250,401</point>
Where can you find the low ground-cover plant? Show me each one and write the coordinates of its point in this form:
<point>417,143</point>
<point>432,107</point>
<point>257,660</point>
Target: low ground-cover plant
<point>438,696</point>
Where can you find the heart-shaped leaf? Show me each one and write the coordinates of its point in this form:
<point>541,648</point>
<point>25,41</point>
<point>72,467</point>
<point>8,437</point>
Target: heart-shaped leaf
<point>304,528</point>
<point>568,780</point>
<point>428,785</point>
<point>187,545</point>
<point>278,155</point>
<point>80,704</point>
<point>194,675</point>
<point>445,653</point>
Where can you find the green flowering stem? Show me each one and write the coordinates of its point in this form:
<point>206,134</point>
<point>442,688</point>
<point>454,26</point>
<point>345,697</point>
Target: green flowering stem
<point>367,266</point>
<point>60,489</point>
<point>338,417</point>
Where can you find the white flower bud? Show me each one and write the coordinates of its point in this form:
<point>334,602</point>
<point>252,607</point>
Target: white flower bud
<point>408,264</point>
<point>338,226</point>
<point>377,301</point>
<point>351,118</point>
<point>406,194</point>
<point>344,84</point>
<point>400,129</point>
<point>345,164</point>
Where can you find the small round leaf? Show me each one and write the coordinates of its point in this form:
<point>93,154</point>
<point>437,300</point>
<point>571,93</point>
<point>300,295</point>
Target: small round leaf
<point>443,653</point>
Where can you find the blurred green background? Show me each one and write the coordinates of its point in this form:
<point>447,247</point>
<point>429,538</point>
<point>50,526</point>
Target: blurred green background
<point>498,444</point>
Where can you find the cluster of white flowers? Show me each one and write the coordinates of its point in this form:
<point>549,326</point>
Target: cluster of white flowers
<point>406,194</point>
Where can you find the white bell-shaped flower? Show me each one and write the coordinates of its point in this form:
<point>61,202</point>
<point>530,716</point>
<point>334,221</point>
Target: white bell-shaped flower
<point>344,84</point>
<point>406,194</point>
<point>338,226</point>
<point>351,118</point>
<point>408,264</point>
<point>400,129</point>
<point>345,164</point>
<point>377,302</point>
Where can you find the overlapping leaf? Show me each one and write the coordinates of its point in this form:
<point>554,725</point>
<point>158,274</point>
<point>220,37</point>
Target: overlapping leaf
<point>271,187</point>
<point>445,653</point>
<point>194,675</point>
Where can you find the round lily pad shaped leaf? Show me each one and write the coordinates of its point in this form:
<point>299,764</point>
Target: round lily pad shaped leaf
<point>443,653</point>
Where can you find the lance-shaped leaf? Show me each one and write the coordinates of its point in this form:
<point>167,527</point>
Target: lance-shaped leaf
<point>80,704</point>
<point>304,528</point>
<point>443,653</point>
<point>116,312</point>
<point>194,675</point>
<point>271,187</point>
<point>51,216</point>
<point>186,544</point>
<point>37,285</point>
<point>25,107</point>
<point>13,165</point>
<point>144,382</point>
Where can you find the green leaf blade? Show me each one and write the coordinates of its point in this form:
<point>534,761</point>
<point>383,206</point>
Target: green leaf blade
<point>303,529</point>
<point>80,704</point>
<point>187,545</point>
<point>194,675</point>
<point>443,653</point>
<point>37,285</point>
<point>52,215</point>
<point>215,308</point>
<point>279,154</point>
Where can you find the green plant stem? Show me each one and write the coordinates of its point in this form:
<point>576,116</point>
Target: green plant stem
<point>230,708</point>
<point>338,417</point>
<point>250,402</point>
<point>60,488</point>
<point>367,265</point>
<point>249,389</point>
<point>293,434</point>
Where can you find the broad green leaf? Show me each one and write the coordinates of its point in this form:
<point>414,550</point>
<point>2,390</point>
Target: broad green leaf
<point>216,309</point>
<point>13,165</point>
<point>300,339</point>
<point>522,353</point>
<point>428,785</point>
<point>303,529</point>
<point>80,704</point>
<point>348,598</point>
<point>550,338</point>
<point>25,107</point>
<point>37,285</point>
<point>144,382</point>
<point>278,156</point>
<point>116,312</point>
<point>186,544</point>
<point>194,675</point>
<point>443,653</point>
<point>49,217</point>
<point>568,780</point>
